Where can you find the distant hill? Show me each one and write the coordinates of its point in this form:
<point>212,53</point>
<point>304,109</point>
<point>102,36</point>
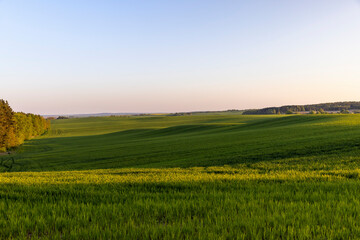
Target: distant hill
<point>230,111</point>
<point>91,115</point>
<point>321,107</point>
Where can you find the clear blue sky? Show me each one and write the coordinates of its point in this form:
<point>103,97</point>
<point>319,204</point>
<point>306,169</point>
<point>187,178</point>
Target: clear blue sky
<point>74,56</point>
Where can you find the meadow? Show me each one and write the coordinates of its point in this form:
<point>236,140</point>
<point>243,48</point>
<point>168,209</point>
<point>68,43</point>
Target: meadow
<point>223,176</point>
<point>191,141</point>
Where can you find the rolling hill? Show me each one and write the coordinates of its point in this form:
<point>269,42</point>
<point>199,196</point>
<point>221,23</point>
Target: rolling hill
<point>189,141</point>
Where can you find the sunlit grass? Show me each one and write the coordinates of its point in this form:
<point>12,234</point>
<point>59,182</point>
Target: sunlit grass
<point>195,203</point>
<point>172,175</point>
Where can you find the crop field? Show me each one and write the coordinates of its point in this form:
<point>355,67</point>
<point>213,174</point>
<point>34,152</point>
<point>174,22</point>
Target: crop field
<point>192,141</point>
<point>186,177</point>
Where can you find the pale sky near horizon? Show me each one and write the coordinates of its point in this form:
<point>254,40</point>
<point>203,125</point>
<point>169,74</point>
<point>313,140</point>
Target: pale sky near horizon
<point>77,56</point>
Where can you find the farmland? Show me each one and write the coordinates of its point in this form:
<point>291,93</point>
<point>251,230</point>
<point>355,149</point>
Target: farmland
<point>192,141</point>
<point>222,176</point>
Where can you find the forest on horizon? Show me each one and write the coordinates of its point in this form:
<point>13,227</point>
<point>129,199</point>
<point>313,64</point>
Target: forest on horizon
<point>342,107</point>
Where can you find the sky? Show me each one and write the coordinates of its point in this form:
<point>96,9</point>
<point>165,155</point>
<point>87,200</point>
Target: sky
<point>87,56</point>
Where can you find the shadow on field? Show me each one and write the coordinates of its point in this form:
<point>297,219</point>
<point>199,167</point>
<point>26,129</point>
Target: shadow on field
<point>190,145</point>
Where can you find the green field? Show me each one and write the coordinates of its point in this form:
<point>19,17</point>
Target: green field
<point>200,177</point>
<point>191,141</point>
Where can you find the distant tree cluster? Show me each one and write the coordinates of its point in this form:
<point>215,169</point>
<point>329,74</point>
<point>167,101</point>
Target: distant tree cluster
<point>322,108</point>
<point>62,117</point>
<point>181,114</point>
<point>15,127</point>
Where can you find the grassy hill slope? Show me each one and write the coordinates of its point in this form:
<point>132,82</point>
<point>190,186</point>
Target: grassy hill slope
<point>189,141</point>
<point>290,177</point>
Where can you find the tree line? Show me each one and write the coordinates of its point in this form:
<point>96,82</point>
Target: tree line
<point>322,107</point>
<point>16,127</point>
